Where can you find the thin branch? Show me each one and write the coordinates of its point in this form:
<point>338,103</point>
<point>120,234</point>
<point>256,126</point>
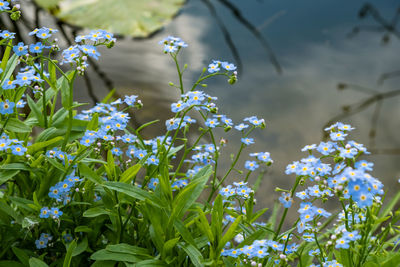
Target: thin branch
<point>226,35</point>
<point>374,123</point>
<point>236,12</point>
<point>388,75</point>
<point>356,108</point>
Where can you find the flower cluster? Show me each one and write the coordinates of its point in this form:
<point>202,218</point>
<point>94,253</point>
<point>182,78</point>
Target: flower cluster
<point>216,66</point>
<point>43,240</point>
<point>172,44</point>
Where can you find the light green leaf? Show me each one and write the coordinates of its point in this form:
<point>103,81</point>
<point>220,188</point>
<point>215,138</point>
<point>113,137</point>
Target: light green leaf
<point>90,174</point>
<point>15,125</point>
<point>130,173</point>
<point>94,212</point>
<point>35,262</point>
<point>40,145</point>
<point>133,191</point>
<point>139,18</point>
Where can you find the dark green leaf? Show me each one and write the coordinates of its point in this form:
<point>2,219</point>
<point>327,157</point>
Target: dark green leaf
<point>7,175</point>
<point>68,256</point>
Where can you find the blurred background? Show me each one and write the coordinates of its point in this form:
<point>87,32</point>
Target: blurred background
<point>302,65</point>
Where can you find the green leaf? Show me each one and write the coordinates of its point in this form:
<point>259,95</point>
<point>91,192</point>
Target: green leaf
<point>21,255</point>
<point>151,263</point>
<point>49,133</point>
<point>139,18</point>
<point>129,249</point>
<point>35,262</point>
<point>16,166</point>
<point>186,235</point>
<point>217,216</point>
<point>68,256</point>
<point>40,145</point>
<point>175,150</point>
<point>128,175</point>
<point>204,226</point>
<point>169,246</point>
<point>15,125</point>
<point>10,66</point>
<point>190,193</point>
<point>194,254</point>
<point>11,263</point>
<point>63,86</point>
<point>90,174</point>
<point>110,165</point>
<point>7,175</point>
<point>81,247</point>
<point>133,191</point>
<point>94,212</point>
<point>94,123</point>
<point>393,260</point>
<point>35,110</point>
<point>83,228</point>
<point>230,233</point>
<point>115,256</point>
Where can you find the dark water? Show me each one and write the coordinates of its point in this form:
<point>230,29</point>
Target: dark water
<point>310,41</point>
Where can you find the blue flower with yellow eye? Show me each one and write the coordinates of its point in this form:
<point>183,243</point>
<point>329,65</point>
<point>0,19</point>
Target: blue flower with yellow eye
<point>36,48</point>
<point>6,34</point>
<point>20,49</point>
<point>18,150</point>
<point>251,165</point>
<point>44,212</point>
<point>247,141</point>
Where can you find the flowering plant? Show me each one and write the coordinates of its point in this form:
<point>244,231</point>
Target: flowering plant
<point>81,188</point>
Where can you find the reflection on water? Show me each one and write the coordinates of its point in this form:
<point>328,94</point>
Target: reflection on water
<point>309,40</point>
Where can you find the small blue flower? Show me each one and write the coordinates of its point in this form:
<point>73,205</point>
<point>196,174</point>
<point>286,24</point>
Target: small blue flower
<point>338,136</point>
<point>213,67</point>
<point>20,49</point>
<point>212,123</point>
<point>44,212</point>
<point>4,5</point>
<point>228,66</point>
<point>116,151</point>
<point>7,107</point>
<point>18,150</point>
<point>286,200</point>
<point>247,141</point>
<point>68,238</point>
<point>56,213</point>
<point>179,106</point>
<point>251,165</point>
<point>153,183</point>
<point>41,243</point>
<point>152,160</point>
<point>241,127</point>
<point>342,243</point>
<point>6,34</point>
<point>36,48</point>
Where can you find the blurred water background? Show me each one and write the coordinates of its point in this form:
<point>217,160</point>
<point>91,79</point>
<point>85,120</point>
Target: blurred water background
<point>316,49</point>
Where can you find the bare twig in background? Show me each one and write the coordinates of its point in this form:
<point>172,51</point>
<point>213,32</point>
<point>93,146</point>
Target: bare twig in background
<point>238,15</point>
<point>226,35</point>
<point>387,27</point>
